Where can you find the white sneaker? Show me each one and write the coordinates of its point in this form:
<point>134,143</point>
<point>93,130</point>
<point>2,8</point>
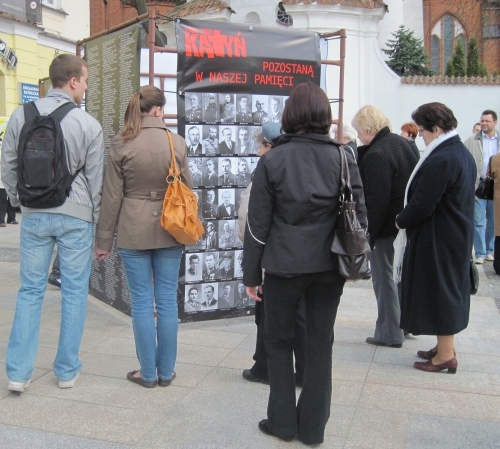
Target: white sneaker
<point>19,386</point>
<point>490,257</point>
<point>479,260</point>
<point>69,383</point>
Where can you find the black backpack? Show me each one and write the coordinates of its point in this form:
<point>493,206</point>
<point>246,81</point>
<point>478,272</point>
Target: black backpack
<point>43,177</point>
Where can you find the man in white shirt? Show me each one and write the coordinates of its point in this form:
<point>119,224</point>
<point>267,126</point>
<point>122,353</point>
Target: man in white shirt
<point>483,145</point>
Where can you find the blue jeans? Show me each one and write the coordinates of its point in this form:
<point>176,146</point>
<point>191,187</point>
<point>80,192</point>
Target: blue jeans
<point>152,277</point>
<point>39,233</point>
<point>484,233</point>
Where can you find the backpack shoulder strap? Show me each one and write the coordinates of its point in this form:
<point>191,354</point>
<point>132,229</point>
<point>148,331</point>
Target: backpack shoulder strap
<point>30,111</point>
<point>62,110</point>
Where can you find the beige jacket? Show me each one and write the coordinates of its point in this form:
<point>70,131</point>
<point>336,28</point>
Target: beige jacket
<point>495,174</point>
<point>475,145</point>
<point>135,185</point>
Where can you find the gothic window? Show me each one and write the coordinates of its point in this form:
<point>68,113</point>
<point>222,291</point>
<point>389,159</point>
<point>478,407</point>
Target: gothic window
<point>445,35</point>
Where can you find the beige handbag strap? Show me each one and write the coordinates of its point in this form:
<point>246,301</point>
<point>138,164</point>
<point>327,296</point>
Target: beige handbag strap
<point>173,171</point>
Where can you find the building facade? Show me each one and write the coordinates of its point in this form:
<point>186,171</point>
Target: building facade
<point>35,45</point>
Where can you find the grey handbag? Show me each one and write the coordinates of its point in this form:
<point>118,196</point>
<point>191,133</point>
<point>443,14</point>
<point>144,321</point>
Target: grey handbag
<point>350,242</point>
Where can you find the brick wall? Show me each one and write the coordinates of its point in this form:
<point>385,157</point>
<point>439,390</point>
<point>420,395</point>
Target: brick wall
<point>468,12</point>
<point>115,12</point>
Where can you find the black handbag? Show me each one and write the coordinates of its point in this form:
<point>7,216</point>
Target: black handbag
<point>474,278</point>
<point>484,190</point>
<point>350,242</point>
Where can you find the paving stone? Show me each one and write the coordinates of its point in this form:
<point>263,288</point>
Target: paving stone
<point>210,338</point>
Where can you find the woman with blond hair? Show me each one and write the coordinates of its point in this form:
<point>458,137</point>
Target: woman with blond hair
<point>386,161</point>
<point>132,198</point>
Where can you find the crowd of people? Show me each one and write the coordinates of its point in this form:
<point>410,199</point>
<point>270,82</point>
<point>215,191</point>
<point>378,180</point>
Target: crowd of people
<point>418,210</point>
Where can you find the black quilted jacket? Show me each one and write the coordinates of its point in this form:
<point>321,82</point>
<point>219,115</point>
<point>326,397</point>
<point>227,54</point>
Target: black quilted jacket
<point>385,166</point>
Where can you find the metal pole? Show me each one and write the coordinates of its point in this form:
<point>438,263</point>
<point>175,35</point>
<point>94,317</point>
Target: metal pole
<point>340,125</point>
<point>151,44</point>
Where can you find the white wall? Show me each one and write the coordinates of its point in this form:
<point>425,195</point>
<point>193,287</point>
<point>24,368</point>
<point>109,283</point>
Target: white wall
<point>71,20</point>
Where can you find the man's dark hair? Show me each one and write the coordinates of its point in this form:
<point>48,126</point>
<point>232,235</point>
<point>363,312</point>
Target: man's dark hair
<point>193,257</point>
<point>63,68</point>
<point>210,286</point>
<point>307,110</point>
<point>490,112</point>
<point>430,115</point>
<point>191,289</point>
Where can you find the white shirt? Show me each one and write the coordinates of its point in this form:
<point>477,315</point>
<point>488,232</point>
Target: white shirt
<point>490,148</point>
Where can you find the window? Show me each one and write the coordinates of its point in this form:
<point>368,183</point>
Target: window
<point>435,54</point>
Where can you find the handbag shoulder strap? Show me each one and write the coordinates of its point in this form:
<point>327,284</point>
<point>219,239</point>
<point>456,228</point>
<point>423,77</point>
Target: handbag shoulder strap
<point>173,170</point>
<point>345,176</point>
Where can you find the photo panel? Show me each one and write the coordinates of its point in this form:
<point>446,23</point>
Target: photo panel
<point>237,199</point>
<point>194,267</point>
<point>199,195</point>
<point>210,142</point>
<point>243,171</point>
<point>227,234</point>
<point>260,109</point>
<point>210,293</point>
<point>210,266</point>
<point>194,164</point>
<point>209,207</point>
<point>238,260</point>
<point>241,298</point>
<point>227,139</point>
<point>211,110</point>
<point>227,170</point>
<point>244,108</point>
<point>210,240</point>
<point>226,295</point>
<point>196,246</point>
<point>210,171</point>
<point>192,297</point>
<point>226,265</point>
<point>193,107</point>
<point>227,208</point>
<point>275,108</point>
<point>193,140</point>
<point>227,108</point>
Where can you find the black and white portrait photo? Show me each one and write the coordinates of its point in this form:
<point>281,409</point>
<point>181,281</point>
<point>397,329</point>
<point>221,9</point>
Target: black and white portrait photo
<point>193,109</point>
<point>194,267</point>
<point>194,164</point>
<point>227,208</point>
<point>226,265</point>
<point>210,265</point>
<point>244,171</point>
<point>226,140</point>
<point>209,171</point>
<point>245,145</point>
<point>192,298</point>
<point>226,171</point>
<point>210,238</point>
<point>227,108</point>
<point>209,298</point>
<point>275,109</point>
<point>193,140</point>
<point>211,112</point>
<point>227,234</point>
<point>209,208</point>
<point>226,295</point>
<point>259,109</point>
<point>244,106</point>
<point>210,143</point>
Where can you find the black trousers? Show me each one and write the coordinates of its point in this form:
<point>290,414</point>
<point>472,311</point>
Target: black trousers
<point>6,208</point>
<point>56,269</point>
<point>259,368</point>
<point>321,293</point>
<point>496,255</point>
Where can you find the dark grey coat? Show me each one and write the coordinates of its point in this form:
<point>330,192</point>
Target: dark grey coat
<point>439,222</point>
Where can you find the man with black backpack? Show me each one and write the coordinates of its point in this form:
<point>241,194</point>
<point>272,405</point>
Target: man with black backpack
<point>52,166</point>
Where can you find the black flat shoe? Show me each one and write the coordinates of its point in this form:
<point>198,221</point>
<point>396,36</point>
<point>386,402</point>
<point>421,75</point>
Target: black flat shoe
<point>372,341</point>
<point>12,222</point>
<point>265,429</point>
<point>247,375</point>
<point>140,381</point>
<point>166,383</point>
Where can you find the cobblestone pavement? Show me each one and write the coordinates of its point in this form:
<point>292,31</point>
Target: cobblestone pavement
<point>379,401</point>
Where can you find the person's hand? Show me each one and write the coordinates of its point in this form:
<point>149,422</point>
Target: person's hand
<point>252,292</point>
<point>101,254</point>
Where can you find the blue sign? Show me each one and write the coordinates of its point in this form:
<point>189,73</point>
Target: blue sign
<point>28,92</point>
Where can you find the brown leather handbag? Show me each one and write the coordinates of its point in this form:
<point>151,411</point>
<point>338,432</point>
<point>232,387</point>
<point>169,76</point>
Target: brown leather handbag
<point>350,242</point>
<point>180,206</point>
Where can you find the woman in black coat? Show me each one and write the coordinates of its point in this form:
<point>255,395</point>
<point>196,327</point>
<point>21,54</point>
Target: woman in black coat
<point>291,220</point>
<point>438,219</point>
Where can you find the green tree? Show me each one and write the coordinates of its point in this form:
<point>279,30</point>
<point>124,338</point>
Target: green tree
<point>495,73</point>
<point>482,70</point>
<point>472,57</point>
<point>406,54</point>
<point>180,2</point>
<point>458,60</point>
<point>141,8</point>
<point>449,68</point>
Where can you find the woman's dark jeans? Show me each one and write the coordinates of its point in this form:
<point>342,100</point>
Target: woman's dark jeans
<point>321,292</point>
